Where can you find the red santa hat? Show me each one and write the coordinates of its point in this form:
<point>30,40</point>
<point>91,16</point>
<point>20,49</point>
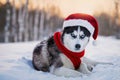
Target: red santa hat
<point>85,20</point>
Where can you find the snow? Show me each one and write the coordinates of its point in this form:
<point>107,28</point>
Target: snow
<point>15,61</point>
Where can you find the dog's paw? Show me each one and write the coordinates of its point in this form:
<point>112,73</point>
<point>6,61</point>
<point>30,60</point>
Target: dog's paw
<point>86,72</point>
<point>90,68</point>
<point>85,69</point>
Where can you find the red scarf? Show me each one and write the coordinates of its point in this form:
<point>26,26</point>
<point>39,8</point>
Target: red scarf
<point>73,56</point>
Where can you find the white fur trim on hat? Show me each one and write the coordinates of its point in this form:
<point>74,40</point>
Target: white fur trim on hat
<point>79,22</point>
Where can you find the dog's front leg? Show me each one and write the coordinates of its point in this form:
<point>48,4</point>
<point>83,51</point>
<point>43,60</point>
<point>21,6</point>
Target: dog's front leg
<point>83,68</point>
<point>62,71</point>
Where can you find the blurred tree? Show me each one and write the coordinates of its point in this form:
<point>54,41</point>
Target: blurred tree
<point>36,23</point>
<point>20,22</point>
<point>7,26</point>
<point>14,24</point>
<point>117,17</point>
<point>24,24</point>
<point>26,27</point>
<point>2,20</point>
<point>110,25</point>
<point>116,2</point>
<point>42,19</point>
<point>107,25</point>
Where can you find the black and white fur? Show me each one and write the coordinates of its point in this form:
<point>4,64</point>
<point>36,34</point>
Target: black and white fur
<point>48,58</point>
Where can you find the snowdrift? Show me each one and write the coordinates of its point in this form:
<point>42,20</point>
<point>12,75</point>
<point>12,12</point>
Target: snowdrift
<point>15,61</point>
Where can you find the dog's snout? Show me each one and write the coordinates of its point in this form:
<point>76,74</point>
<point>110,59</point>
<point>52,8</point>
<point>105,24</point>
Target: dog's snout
<point>77,46</point>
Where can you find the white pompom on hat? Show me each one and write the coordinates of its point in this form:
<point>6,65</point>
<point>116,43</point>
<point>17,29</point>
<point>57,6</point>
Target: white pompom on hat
<point>85,20</point>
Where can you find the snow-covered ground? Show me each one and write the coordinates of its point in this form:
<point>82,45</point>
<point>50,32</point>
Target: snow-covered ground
<point>15,61</point>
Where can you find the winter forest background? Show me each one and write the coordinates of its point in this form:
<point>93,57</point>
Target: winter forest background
<point>20,21</point>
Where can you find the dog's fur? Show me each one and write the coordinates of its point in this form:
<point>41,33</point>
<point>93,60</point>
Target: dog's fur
<point>48,58</point>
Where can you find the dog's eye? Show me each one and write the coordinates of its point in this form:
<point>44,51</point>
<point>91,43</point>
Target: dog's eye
<point>82,36</point>
<point>73,35</point>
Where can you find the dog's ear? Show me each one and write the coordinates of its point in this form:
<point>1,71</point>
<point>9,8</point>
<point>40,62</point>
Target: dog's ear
<point>86,31</point>
<point>70,29</point>
<point>50,41</point>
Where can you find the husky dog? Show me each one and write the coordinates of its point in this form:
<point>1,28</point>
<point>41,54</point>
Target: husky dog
<point>63,53</point>
<point>48,58</point>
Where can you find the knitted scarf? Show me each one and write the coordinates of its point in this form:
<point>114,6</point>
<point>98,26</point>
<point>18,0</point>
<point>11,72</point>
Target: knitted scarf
<point>73,56</point>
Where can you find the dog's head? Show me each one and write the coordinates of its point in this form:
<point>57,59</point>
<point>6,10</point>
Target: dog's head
<point>75,38</point>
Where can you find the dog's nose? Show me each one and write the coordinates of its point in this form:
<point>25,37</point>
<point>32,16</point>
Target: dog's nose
<point>77,46</point>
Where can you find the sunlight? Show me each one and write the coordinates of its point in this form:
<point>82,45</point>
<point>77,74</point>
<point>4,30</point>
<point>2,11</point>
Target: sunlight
<point>85,6</point>
<point>72,6</point>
